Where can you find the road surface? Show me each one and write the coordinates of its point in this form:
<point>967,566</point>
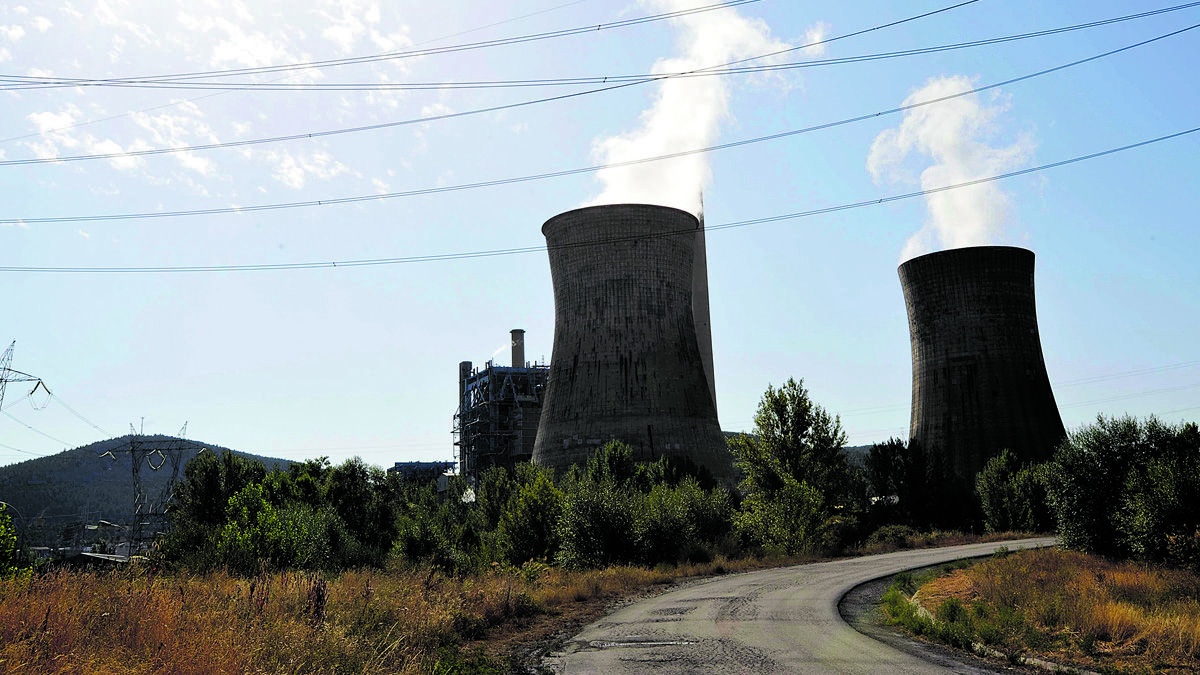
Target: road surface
<point>773,621</point>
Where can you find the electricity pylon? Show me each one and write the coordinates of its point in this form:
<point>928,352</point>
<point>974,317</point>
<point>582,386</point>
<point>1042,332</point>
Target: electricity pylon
<point>7,374</point>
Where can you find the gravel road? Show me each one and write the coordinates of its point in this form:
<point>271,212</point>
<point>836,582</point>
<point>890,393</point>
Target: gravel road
<point>772,621</point>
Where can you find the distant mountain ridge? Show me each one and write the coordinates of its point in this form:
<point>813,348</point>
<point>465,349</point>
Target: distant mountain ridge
<point>85,484</point>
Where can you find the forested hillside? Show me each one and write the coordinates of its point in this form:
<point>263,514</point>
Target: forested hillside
<point>85,484</point>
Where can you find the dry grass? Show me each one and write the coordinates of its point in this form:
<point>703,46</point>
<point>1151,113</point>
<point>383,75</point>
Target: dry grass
<point>1084,609</point>
<point>394,621</point>
<point>400,620</point>
<point>938,539</point>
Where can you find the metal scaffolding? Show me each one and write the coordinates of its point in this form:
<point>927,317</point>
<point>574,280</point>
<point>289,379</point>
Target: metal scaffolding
<point>497,419</point>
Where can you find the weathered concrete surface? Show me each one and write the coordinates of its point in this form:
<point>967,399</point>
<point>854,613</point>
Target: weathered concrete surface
<point>979,378</point>
<point>773,621</point>
<point>627,363</point>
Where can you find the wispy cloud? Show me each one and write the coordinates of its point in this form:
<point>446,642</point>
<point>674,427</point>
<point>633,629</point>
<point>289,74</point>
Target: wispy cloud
<point>686,113</point>
<point>957,136</point>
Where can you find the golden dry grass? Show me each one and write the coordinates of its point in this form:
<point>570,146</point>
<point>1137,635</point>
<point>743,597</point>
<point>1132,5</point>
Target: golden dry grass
<point>1092,611</point>
<point>365,621</point>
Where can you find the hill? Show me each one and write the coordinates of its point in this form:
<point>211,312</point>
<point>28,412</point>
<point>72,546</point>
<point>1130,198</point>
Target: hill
<point>87,485</point>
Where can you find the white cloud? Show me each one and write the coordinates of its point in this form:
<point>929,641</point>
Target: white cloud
<point>237,46</point>
<point>41,24</point>
<point>294,170</point>
<point>183,126</point>
<point>955,135</point>
<point>816,33</point>
<point>13,32</point>
<point>686,114</point>
<point>83,234</point>
<point>5,55</point>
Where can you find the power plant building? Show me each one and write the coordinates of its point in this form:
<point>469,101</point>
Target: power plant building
<point>627,362</point>
<point>979,378</point>
<point>498,411</point>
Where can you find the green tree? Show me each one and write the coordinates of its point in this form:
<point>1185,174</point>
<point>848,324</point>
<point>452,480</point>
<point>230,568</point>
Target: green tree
<point>1012,496</point>
<point>528,525</point>
<point>1125,488</point>
<point>794,469</point>
<point>10,554</point>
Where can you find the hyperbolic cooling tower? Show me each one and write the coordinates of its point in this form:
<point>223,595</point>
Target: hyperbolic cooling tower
<point>626,363</point>
<point>979,379</point>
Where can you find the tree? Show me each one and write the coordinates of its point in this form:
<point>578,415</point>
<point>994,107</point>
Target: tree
<point>9,553</point>
<point>1012,496</point>
<point>1124,488</point>
<point>794,470</point>
<point>528,523</point>
<point>794,439</point>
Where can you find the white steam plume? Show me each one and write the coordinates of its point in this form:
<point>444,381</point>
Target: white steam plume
<point>686,113</point>
<point>954,134</point>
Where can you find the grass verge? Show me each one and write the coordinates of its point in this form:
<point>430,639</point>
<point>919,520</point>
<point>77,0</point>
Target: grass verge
<point>1062,606</point>
<point>398,620</point>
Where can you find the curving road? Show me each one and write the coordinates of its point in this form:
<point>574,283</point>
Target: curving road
<point>773,621</point>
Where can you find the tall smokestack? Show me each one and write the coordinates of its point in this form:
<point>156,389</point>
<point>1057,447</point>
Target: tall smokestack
<point>700,308</point>
<point>518,348</point>
<point>979,378</point>
<point>626,364</point>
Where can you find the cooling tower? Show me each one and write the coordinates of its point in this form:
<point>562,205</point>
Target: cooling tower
<point>979,379</point>
<point>626,364</point>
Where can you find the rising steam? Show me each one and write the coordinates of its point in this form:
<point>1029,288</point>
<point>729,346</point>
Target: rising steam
<point>954,134</point>
<point>686,113</point>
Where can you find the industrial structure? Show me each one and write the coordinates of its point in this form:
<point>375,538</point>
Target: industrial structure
<point>979,382</point>
<point>150,512</point>
<point>421,471</point>
<point>627,363</point>
<point>498,411</point>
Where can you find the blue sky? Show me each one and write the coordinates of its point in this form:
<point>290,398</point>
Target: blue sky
<point>363,360</point>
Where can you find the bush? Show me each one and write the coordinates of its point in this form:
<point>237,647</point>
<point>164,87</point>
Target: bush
<point>894,536</point>
<point>1124,488</point>
<point>617,511</point>
<point>1013,497</point>
<point>528,524</point>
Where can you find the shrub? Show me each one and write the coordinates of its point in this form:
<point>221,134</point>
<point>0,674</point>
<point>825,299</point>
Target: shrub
<point>1013,497</point>
<point>528,525</point>
<point>1125,488</point>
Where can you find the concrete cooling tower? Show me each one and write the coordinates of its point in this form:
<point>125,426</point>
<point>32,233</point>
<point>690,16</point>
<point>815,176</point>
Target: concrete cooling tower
<point>979,379</point>
<point>626,362</point>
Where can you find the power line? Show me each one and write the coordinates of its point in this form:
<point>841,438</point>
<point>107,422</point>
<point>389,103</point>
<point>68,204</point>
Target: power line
<point>465,113</point>
<point>714,70</point>
<point>206,96</point>
<point>596,79</point>
<point>533,249</point>
<point>76,414</point>
<point>581,170</point>
<point>386,56</point>
<point>27,452</point>
<point>42,433</point>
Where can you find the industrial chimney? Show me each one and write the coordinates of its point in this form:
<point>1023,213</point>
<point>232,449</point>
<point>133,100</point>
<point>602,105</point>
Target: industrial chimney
<point>626,364</point>
<point>979,380</point>
<point>518,348</point>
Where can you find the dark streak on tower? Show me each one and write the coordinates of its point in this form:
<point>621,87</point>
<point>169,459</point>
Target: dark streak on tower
<point>979,378</point>
<point>626,364</point>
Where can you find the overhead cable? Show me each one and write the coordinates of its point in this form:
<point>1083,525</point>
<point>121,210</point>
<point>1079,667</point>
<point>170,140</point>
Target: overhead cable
<point>443,116</point>
<point>594,79</point>
<point>386,56</point>
<point>570,172</point>
<point>601,241</point>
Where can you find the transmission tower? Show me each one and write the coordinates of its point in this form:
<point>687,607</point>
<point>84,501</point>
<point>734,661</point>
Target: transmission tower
<point>150,516</point>
<point>7,374</point>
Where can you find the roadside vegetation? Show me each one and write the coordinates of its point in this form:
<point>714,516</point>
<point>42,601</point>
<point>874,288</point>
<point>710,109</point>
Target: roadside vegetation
<point>1063,606</point>
<point>324,569</point>
<point>1124,496</point>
